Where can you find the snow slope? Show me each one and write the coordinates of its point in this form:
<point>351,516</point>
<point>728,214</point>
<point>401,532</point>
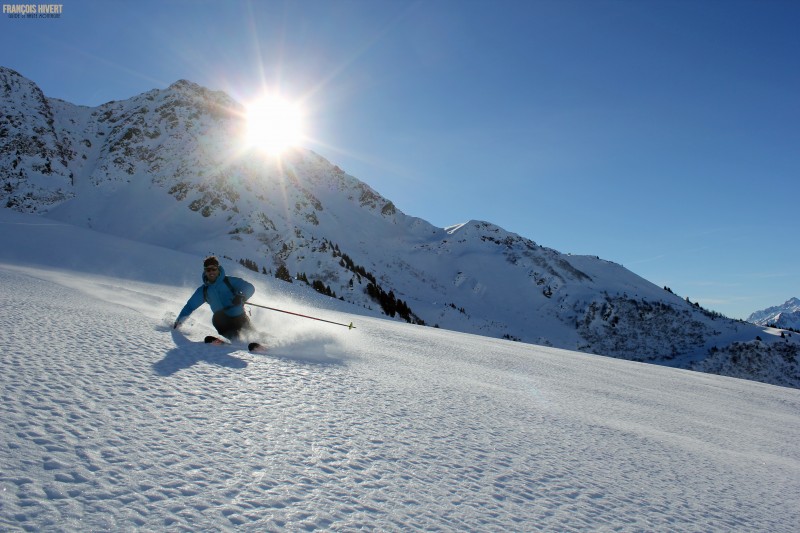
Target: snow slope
<point>113,421</point>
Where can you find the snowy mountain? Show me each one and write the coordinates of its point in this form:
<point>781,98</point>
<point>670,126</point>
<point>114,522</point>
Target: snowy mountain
<point>168,168</point>
<point>781,316</point>
<point>113,421</point>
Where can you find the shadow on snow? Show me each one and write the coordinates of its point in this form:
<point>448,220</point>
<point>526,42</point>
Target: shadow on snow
<point>187,353</point>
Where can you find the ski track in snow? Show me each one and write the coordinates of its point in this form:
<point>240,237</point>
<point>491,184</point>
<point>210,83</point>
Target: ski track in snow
<point>111,422</point>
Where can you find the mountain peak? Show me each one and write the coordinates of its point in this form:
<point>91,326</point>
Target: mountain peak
<point>182,85</point>
<point>6,72</point>
<point>202,95</point>
<point>15,86</point>
<point>782,316</point>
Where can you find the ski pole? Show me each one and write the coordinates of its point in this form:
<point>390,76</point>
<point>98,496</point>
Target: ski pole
<point>348,326</point>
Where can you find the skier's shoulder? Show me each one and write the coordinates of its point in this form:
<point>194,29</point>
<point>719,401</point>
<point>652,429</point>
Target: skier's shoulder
<point>236,279</point>
<point>241,285</point>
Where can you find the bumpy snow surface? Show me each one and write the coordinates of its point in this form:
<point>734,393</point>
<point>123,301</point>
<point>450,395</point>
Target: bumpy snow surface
<point>113,421</point>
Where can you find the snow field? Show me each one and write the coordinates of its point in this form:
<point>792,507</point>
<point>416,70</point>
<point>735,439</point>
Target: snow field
<point>105,433</point>
<point>113,421</point>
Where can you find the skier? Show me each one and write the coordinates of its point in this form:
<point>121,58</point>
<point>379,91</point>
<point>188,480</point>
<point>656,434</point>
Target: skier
<point>226,296</point>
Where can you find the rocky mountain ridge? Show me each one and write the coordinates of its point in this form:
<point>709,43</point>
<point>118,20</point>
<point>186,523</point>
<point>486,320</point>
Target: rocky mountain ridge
<point>781,316</point>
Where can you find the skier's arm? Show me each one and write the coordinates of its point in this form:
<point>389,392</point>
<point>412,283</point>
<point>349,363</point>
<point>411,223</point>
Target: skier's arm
<point>194,302</point>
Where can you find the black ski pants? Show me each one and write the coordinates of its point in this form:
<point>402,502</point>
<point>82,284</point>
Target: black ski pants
<point>230,326</point>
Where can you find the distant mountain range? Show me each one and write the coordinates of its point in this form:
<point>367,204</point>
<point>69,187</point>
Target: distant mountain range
<point>168,167</point>
<point>781,316</point>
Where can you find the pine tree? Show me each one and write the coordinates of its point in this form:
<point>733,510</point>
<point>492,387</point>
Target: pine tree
<point>283,273</point>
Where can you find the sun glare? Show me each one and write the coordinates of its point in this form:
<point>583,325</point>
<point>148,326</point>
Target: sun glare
<point>274,125</point>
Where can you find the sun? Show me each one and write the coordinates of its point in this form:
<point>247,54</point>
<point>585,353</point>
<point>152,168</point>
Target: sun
<point>274,124</point>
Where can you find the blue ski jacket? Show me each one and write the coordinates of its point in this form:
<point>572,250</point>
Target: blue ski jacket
<point>219,295</point>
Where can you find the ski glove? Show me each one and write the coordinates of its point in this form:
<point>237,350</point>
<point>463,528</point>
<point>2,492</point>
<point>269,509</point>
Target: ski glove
<point>239,299</point>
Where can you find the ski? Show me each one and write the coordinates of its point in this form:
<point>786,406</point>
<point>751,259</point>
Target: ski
<point>252,347</point>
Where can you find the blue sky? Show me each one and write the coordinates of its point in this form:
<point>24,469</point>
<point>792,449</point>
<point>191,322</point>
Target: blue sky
<point>662,135</point>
